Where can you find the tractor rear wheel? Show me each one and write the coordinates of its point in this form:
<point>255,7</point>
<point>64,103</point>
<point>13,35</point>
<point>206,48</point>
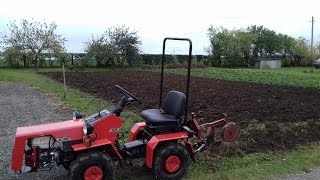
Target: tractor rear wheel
<point>92,166</point>
<point>171,161</point>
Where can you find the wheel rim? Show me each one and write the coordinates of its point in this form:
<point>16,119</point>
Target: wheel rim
<point>93,173</point>
<point>230,132</point>
<point>172,164</point>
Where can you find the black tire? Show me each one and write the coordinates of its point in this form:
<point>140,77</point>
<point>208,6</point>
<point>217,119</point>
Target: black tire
<point>91,159</point>
<point>162,154</point>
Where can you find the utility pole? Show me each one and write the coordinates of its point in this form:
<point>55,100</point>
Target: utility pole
<point>312,21</point>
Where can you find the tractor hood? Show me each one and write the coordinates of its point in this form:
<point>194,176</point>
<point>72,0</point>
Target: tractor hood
<point>65,130</point>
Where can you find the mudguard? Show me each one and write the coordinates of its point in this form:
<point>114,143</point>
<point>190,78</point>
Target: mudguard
<point>135,130</point>
<point>155,140</point>
<point>97,143</point>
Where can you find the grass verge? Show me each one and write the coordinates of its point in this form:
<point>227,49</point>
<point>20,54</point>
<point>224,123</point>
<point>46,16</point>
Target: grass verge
<point>255,166</point>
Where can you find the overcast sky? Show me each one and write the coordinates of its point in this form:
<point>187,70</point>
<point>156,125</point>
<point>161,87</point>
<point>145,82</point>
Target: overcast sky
<point>77,20</point>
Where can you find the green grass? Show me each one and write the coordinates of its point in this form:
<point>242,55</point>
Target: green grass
<point>255,166</point>
<point>259,166</point>
<point>300,77</point>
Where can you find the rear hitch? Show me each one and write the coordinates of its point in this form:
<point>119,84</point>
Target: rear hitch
<point>203,135</point>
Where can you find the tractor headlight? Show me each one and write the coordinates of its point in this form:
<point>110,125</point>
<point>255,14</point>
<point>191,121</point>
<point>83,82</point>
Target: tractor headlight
<point>87,128</point>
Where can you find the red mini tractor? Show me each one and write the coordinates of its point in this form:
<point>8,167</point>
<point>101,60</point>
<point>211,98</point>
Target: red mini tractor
<point>88,147</point>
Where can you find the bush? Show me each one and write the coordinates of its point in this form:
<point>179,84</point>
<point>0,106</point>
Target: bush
<point>151,59</point>
<point>176,66</point>
<point>233,62</point>
<point>214,62</point>
<point>12,58</point>
<point>182,58</point>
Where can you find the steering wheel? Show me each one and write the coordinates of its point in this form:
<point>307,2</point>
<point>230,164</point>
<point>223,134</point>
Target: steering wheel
<point>126,93</point>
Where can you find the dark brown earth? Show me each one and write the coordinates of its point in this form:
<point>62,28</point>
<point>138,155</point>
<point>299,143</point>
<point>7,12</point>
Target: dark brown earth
<point>263,110</point>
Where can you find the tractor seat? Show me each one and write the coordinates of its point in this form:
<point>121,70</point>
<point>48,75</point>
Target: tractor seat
<point>171,110</point>
<point>155,117</point>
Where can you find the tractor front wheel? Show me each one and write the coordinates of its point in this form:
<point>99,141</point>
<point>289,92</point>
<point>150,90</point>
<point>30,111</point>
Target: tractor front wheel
<point>92,166</point>
<point>171,161</point>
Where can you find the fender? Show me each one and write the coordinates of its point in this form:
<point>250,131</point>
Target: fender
<point>155,140</point>
<point>135,130</point>
<point>97,143</point>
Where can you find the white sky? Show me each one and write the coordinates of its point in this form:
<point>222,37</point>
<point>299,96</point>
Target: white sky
<point>77,20</point>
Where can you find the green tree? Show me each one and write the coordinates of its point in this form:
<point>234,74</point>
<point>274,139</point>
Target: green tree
<point>216,45</point>
<point>116,46</point>
<point>12,57</point>
<point>33,38</point>
<point>229,47</point>
<point>102,51</point>
<point>266,41</point>
<point>317,50</point>
<point>244,41</point>
<point>239,47</point>
<point>301,51</point>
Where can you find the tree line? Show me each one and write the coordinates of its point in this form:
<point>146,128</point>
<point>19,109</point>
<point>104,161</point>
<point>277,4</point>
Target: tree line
<point>243,47</point>
<point>31,43</point>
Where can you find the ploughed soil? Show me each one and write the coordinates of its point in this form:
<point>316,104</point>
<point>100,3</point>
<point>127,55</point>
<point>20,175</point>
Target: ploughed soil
<point>271,117</point>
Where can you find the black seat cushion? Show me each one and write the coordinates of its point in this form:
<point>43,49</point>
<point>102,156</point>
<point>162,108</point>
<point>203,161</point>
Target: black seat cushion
<point>156,118</point>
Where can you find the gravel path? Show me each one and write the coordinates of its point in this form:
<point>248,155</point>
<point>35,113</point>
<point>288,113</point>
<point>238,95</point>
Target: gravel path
<point>312,175</point>
<point>21,105</point>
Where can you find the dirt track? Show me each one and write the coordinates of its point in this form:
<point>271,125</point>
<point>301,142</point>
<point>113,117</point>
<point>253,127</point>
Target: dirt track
<point>244,102</point>
<point>314,174</point>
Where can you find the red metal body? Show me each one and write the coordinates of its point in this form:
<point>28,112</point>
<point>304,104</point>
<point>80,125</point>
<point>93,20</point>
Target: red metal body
<point>35,151</point>
<point>172,164</point>
<point>71,129</point>
<point>195,124</point>
<point>93,173</point>
<point>97,143</point>
<point>135,130</point>
<point>155,140</point>
<point>106,130</point>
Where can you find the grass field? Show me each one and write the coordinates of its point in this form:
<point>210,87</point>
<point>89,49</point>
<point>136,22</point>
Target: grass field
<point>301,77</point>
<point>254,166</point>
